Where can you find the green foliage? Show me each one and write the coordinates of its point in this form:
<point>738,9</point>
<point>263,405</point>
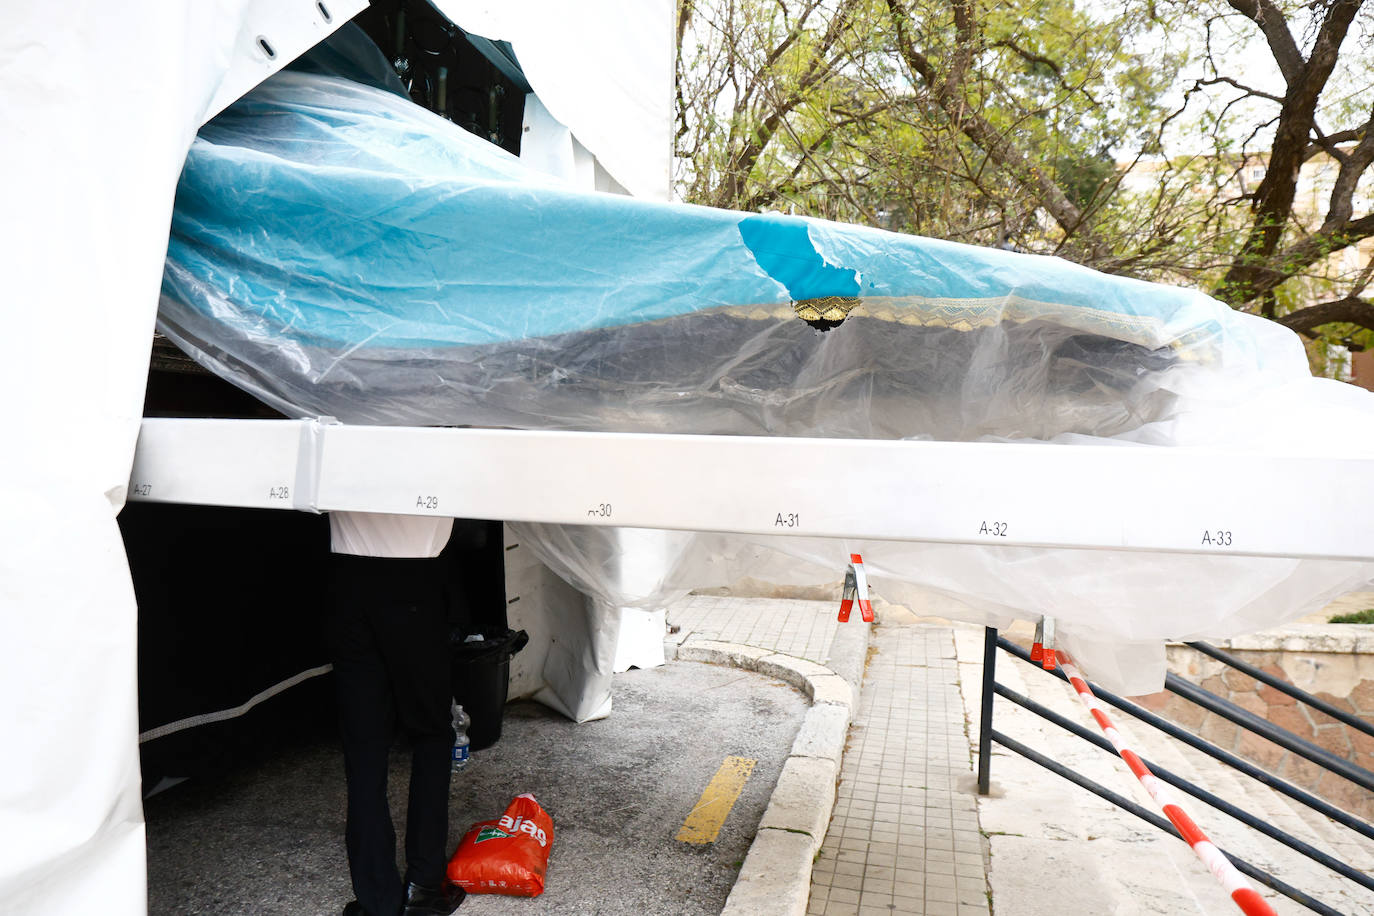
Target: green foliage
<point>1365,616</point>
<point>869,141</point>
<point>1111,134</point>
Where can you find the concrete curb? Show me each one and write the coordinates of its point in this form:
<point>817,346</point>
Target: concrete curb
<point>776,874</point>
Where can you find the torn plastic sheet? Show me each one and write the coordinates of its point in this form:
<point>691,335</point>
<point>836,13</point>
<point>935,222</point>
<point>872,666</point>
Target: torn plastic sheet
<point>339,251</point>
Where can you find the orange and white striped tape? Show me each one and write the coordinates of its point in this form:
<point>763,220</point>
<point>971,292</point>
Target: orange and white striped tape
<point>1240,891</point>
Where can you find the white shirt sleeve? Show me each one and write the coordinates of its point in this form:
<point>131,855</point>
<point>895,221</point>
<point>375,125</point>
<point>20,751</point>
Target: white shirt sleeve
<point>376,534</point>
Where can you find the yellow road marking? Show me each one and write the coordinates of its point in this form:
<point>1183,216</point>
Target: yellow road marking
<point>706,818</point>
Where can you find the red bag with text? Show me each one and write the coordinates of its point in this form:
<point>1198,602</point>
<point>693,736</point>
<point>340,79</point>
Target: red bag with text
<point>506,856</point>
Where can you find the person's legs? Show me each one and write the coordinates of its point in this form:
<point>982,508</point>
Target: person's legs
<point>366,725</point>
<point>417,654</point>
<point>369,835</point>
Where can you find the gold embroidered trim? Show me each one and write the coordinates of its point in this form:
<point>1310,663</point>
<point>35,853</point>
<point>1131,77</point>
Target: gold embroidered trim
<point>825,308</point>
<point>969,314</point>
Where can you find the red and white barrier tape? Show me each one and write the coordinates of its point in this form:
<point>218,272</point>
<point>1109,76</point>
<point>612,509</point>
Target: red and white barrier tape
<point>1245,897</point>
<point>855,589</point>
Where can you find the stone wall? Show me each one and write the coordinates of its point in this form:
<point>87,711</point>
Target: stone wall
<point>1335,662</point>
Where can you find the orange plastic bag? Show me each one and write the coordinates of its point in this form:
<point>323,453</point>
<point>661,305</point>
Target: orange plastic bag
<point>506,856</point>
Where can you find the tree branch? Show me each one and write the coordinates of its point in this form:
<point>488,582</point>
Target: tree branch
<point>1248,90</point>
<point>1316,247</point>
<point>743,158</point>
<point>1353,165</point>
<point>1327,143</point>
<point>762,198</point>
<point>948,94</point>
<point>1349,310</point>
<point>1275,28</point>
<point>1273,206</point>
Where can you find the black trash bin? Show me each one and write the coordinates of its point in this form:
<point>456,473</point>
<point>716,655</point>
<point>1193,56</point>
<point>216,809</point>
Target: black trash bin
<point>481,679</point>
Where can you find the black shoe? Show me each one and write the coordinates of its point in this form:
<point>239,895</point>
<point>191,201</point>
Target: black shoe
<point>431,901</point>
<point>354,908</point>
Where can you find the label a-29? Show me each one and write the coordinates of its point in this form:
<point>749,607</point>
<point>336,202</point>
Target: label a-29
<point>426,502</point>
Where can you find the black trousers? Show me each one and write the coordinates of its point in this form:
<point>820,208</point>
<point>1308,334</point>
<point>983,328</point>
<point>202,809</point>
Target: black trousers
<point>389,640</point>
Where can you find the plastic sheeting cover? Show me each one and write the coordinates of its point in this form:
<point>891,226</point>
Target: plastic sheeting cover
<point>339,251</point>
<point>332,241</point>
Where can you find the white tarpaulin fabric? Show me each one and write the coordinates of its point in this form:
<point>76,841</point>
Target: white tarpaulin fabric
<point>604,68</point>
<point>98,104</point>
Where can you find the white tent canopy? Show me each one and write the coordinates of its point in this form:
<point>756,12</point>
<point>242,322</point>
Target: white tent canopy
<point>98,105</point>
<point>603,68</point>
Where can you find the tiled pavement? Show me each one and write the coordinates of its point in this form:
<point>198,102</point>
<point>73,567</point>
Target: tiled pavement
<point>802,629</point>
<point>904,837</point>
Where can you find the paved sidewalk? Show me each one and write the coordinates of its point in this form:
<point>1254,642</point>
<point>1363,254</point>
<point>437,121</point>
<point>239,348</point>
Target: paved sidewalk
<point>904,835</point>
<point>803,629</point>
<point>904,828</point>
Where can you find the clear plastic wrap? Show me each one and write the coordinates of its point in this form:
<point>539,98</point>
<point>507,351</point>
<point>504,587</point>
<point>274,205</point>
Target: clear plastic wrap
<point>339,251</point>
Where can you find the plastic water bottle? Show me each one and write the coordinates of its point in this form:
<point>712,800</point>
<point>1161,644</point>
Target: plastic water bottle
<point>461,743</point>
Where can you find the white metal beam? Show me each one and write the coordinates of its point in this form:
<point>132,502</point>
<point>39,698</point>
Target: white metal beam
<point>1135,498</point>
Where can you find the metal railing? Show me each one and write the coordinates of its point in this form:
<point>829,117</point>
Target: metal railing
<point>1245,719</point>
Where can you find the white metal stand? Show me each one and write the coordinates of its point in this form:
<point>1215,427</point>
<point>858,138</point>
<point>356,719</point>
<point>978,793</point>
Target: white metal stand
<point>1154,499</point>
